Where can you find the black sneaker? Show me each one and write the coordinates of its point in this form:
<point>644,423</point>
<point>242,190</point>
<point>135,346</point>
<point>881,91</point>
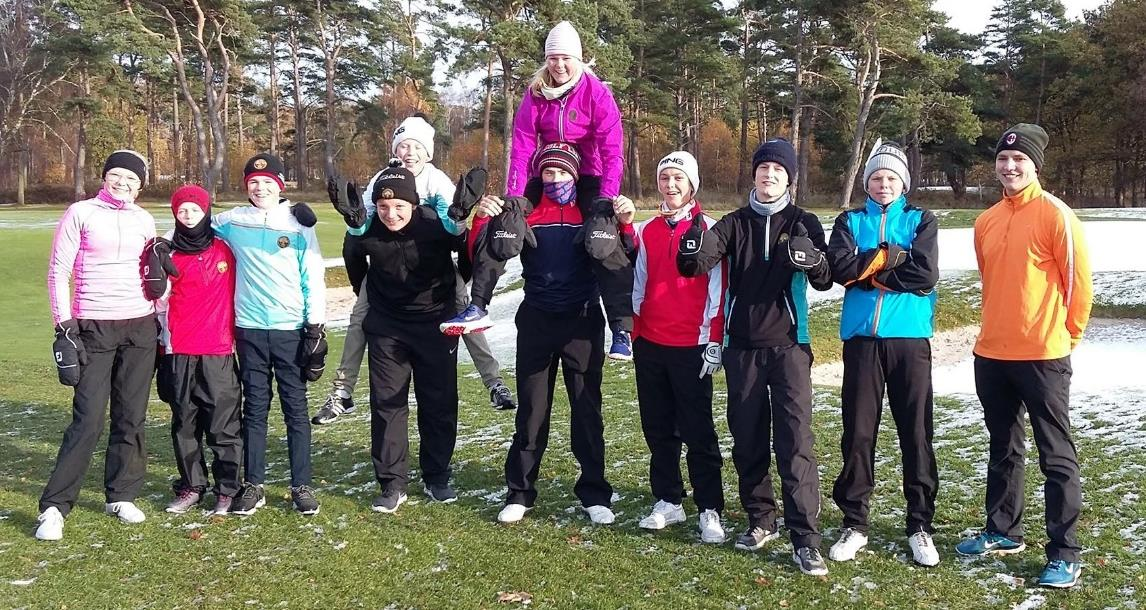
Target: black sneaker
<point>304,500</point>
<point>441,492</point>
<point>249,500</point>
<point>388,501</point>
<point>334,406</point>
<point>755,538</point>
<point>501,398</point>
<point>810,562</point>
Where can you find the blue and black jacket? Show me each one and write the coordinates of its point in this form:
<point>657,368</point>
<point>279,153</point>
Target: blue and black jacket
<point>880,303</point>
<point>767,304</point>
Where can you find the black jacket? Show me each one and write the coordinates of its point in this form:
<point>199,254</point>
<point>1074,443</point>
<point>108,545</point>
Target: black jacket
<point>767,304</point>
<point>410,275</point>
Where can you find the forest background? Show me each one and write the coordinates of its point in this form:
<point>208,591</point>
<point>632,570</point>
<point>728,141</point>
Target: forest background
<point>200,85</point>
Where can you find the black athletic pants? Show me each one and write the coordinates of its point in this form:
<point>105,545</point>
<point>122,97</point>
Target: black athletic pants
<point>676,408</point>
<point>421,351</point>
<point>1041,388</point>
<point>121,361</point>
<point>903,366</point>
<point>575,341</point>
<point>770,407</point>
<point>205,406</point>
<point>263,354</point>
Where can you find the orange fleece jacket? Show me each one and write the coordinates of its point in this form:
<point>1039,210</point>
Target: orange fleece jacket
<point>1037,291</point>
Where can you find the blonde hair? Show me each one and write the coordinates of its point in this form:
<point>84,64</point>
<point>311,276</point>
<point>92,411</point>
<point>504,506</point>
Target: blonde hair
<point>542,78</point>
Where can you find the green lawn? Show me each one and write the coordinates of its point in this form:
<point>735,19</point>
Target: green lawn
<point>456,556</point>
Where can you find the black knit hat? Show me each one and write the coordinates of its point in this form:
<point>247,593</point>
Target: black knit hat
<point>776,150</point>
<point>265,164</point>
<point>129,160</point>
<point>1027,138</point>
<point>396,182</point>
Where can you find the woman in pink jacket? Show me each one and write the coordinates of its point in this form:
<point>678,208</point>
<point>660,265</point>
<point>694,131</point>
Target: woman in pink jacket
<point>105,342</point>
<point>566,102</point>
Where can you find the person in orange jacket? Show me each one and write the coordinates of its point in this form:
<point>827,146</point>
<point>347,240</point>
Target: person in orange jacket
<point>1036,302</point>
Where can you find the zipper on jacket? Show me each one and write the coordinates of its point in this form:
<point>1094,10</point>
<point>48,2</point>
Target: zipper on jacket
<point>561,118</point>
<point>879,297</point>
<point>767,237</point>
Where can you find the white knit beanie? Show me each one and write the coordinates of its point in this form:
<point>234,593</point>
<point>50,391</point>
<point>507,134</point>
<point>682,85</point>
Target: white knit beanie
<point>563,40</point>
<point>685,162</point>
<point>887,155</point>
<point>414,128</point>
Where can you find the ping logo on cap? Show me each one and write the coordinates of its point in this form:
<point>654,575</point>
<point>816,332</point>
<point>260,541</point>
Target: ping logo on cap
<point>1011,138</point>
<point>675,160</point>
<point>260,164</point>
<point>401,129</point>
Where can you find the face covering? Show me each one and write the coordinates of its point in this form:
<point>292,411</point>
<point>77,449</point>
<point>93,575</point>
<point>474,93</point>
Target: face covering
<point>194,239</point>
<point>561,192</point>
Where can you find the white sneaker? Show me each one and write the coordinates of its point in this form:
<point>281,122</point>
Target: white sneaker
<point>664,514</point>
<point>923,550</point>
<point>512,513</point>
<point>850,542</point>
<point>51,524</point>
<point>127,512</point>
<point>601,515</point>
<point>711,530</point>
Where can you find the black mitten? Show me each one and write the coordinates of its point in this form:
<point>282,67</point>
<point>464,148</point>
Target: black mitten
<point>347,200</point>
<point>157,265</point>
<point>692,239</point>
<point>470,189</point>
<point>896,256</point>
<point>314,350</point>
<point>303,214</point>
<point>802,253</point>
<point>69,352</point>
<point>601,235</point>
<point>508,232</point>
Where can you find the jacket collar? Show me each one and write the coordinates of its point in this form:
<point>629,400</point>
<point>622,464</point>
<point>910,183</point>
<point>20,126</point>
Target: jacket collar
<point>1034,190</point>
<point>892,208</point>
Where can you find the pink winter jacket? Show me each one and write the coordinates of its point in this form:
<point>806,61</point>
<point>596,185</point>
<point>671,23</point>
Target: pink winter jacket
<point>98,245</point>
<point>587,116</point>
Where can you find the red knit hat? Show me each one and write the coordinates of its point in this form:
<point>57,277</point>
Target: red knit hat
<point>560,155</point>
<point>193,193</point>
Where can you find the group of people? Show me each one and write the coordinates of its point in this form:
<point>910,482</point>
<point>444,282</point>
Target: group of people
<point>685,294</point>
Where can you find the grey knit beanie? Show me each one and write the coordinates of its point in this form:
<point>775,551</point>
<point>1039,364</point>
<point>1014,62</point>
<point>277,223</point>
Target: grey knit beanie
<point>887,155</point>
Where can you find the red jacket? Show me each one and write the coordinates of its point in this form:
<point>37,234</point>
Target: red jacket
<point>670,309</point>
<point>200,316</point>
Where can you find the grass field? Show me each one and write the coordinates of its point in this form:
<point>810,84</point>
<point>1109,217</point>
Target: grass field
<point>456,556</point>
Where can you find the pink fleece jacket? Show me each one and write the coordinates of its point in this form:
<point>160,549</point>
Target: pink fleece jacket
<point>98,245</point>
<point>587,116</point>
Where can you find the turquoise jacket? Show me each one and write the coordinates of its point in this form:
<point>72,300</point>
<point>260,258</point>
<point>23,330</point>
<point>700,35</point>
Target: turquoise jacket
<point>899,302</point>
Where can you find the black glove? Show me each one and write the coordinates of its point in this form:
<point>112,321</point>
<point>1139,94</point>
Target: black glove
<point>314,350</point>
<point>470,189</point>
<point>692,239</point>
<point>601,235</point>
<point>157,265</point>
<point>896,256</point>
<point>347,200</point>
<point>69,352</point>
<point>164,376</point>
<point>303,214</point>
<point>802,253</point>
<point>508,232</point>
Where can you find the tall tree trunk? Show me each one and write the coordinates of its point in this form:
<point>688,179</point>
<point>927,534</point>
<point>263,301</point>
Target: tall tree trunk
<point>224,175</point>
<point>240,144</point>
<point>803,157</point>
<point>299,112</point>
<point>868,81</point>
<point>273,106</point>
<point>179,165</point>
<point>798,94</point>
<point>21,172</point>
<point>79,160</point>
<point>506,91</point>
<point>331,128</point>
<point>486,113</point>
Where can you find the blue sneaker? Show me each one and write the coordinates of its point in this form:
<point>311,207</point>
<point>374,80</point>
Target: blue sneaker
<point>986,543</point>
<point>622,348</point>
<point>1060,574</point>
<point>473,320</point>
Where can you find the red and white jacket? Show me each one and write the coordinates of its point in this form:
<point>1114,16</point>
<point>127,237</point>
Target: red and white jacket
<point>668,308</point>
<point>198,311</point>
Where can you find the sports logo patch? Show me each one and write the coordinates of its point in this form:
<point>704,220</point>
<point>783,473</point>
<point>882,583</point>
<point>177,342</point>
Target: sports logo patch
<point>386,194</point>
<point>284,241</point>
<point>1011,138</point>
<point>260,164</point>
<point>602,235</point>
<point>222,267</point>
<point>501,234</point>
